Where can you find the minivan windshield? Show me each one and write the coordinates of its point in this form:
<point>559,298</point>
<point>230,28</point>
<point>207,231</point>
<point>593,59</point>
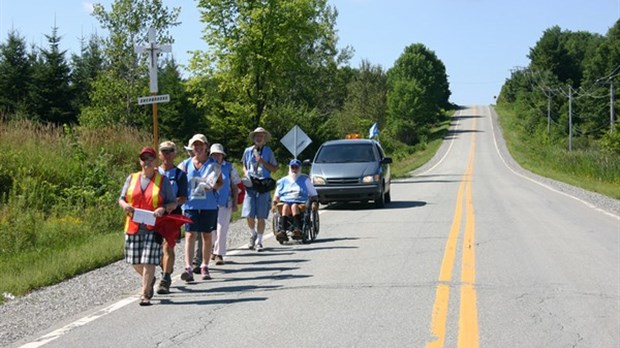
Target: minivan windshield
<point>343,153</point>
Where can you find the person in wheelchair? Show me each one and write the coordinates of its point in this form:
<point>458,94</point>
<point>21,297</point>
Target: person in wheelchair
<point>292,193</point>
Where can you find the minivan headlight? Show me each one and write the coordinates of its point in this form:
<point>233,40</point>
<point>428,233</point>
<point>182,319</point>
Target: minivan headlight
<point>318,180</point>
<point>368,179</point>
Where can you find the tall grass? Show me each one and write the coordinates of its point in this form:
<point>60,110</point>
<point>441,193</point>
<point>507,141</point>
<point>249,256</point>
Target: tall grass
<point>413,157</point>
<point>58,192</point>
<point>586,166</point>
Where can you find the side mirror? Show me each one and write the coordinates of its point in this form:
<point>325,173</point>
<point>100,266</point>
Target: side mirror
<point>386,160</point>
<point>307,163</point>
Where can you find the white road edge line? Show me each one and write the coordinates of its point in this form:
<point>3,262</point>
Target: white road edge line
<point>445,154</point>
<point>589,205</point>
<point>80,322</point>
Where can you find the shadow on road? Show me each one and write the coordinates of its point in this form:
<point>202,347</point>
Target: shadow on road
<point>211,302</point>
<point>261,262</point>
<point>368,206</point>
<point>405,204</point>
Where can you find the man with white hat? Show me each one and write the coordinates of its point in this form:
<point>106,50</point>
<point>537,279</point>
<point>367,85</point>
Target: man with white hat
<point>258,161</point>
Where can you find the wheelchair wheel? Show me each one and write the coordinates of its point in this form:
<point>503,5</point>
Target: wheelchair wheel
<point>275,223</point>
<point>306,231</point>
<point>314,219</point>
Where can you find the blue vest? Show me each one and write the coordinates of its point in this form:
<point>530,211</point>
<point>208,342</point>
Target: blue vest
<point>293,191</point>
<point>202,200</point>
<point>224,192</point>
<point>251,164</point>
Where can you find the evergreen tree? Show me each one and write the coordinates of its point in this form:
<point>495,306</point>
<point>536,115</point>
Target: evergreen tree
<point>51,91</point>
<point>85,68</point>
<point>15,75</point>
<point>179,118</point>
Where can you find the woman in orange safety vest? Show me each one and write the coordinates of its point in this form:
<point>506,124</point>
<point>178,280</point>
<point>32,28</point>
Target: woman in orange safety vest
<point>146,190</point>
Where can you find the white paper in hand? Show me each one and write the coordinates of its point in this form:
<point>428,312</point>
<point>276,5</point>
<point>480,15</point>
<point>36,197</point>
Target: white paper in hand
<point>143,216</point>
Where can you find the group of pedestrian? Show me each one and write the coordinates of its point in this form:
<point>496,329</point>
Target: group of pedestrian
<point>204,188</point>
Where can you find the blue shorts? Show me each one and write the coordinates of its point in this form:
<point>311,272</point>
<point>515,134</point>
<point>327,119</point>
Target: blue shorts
<point>202,220</point>
<point>256,205</point>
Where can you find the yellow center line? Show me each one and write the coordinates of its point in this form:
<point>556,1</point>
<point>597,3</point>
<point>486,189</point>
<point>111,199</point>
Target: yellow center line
<point>468,314</point>
<point>442,292</point>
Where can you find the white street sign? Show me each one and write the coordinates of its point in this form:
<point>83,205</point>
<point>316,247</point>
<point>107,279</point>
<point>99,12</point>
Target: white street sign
<point>164,98</point>
<point>295,141</point>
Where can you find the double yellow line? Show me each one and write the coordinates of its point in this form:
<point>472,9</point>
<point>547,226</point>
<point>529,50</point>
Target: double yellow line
<point>468,313</point>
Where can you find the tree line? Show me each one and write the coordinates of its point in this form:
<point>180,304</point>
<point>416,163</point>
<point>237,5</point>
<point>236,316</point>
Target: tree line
<point>269,63</point>
<point>569,90</point>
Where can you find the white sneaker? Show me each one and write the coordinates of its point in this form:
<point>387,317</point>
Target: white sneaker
<point>252,242</point>
<point>259,247</point>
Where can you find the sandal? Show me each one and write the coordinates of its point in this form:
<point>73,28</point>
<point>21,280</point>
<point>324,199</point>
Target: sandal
<point>151,291</point>
<point>144,301</point>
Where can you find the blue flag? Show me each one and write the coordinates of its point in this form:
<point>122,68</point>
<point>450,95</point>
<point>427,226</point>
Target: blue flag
<point>373,132</point>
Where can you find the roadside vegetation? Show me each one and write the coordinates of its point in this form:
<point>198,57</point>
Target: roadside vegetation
<point>555,112</point>
<point>586,166</point>
<point>58,192</point>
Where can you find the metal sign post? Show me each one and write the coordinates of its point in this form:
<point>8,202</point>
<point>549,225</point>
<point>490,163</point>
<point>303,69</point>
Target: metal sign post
<point>153,50</point>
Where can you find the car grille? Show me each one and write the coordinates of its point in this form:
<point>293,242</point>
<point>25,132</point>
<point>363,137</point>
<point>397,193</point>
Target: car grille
<point>341,181</point>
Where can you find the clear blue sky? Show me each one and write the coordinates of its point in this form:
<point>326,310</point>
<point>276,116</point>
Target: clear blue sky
<point>479,41</point>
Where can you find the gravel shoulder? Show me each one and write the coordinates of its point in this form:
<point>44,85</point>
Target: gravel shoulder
<point>86,293</point>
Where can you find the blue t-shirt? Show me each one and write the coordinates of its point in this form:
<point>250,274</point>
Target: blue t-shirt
<point>293,191</point>
<point>252,166</point>
<point>198,199</point>
<point>178,180</point>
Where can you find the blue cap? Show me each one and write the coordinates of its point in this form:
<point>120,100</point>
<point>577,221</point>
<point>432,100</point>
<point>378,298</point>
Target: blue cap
<point>294,162</point>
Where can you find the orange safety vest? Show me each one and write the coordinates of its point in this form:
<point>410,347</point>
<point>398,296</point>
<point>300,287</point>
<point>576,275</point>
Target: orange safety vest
<point>150,199</point>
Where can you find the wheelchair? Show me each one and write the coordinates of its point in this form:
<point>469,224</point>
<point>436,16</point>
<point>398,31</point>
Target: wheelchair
<point>310,223</point>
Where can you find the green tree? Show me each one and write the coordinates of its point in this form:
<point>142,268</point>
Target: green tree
<point>50,90</point>
<point>179,118</point>
<point>564,53</point>
<point>85,68</point>
<point>265,52</point>
<point>116,89</point>
<point>366,100</point>
<point>15,75</point>
<point>417,91</point>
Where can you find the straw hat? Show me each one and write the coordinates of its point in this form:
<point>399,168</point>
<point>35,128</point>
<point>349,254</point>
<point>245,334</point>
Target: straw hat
<point>260,130</point>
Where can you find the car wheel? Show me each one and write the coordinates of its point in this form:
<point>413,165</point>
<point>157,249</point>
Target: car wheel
<point>388,197</point>
<point>380,201</point>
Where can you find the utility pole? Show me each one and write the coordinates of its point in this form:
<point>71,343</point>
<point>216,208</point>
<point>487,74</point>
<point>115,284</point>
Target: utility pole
<point>153,50</point>
<point>612,110</point>
<point>548,111</point>
<point>570,118</point>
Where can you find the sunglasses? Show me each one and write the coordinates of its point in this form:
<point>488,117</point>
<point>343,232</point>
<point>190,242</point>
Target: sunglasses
<point>167,151</point>
<point>147,159</point>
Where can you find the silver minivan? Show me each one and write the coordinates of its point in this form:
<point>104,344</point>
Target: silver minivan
<point>352,170</point>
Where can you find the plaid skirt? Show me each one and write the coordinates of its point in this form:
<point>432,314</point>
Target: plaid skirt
<point>142,248</point>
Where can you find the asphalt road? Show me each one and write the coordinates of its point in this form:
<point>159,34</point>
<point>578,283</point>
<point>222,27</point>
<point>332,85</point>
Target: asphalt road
<point>469,253</point>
